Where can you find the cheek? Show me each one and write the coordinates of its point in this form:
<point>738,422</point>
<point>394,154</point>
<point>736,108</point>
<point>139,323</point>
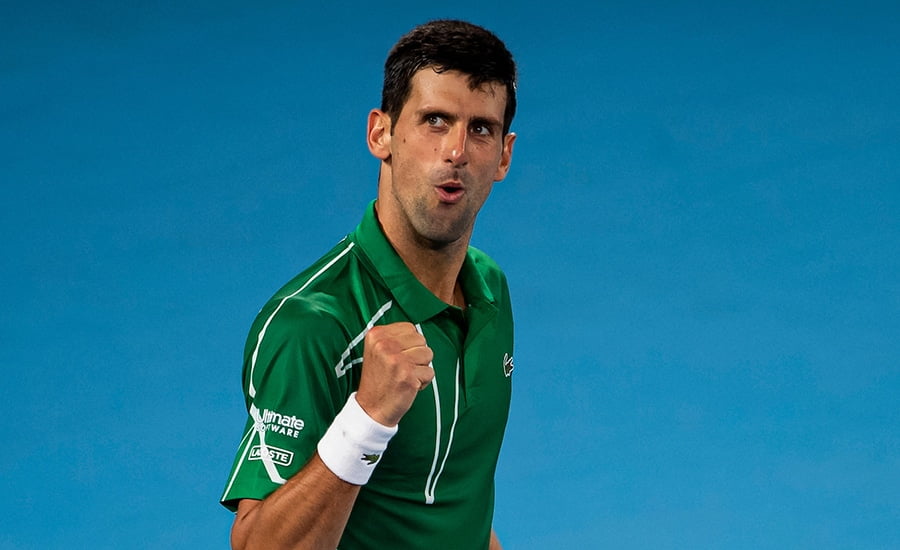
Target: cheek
<point>482,193</point>
<point>489,165</point>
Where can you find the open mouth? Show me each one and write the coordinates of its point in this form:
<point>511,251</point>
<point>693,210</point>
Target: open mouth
<point>450,192</point>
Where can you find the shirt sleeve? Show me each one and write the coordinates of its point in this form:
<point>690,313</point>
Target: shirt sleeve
<point>292,393</point>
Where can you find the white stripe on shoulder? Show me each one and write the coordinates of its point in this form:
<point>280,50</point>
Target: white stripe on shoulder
<point>262,332</point>
<point>342,366</point>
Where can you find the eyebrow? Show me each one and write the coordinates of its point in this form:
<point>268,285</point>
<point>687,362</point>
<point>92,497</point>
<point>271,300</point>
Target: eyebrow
<point>427,112</point>
<point>478,120</point>
<point>486,121</point>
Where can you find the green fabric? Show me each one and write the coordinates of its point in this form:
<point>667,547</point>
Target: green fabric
<point>434,487</point>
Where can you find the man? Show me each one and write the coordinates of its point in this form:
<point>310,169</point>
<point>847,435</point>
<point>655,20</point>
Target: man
<point>378,380</point>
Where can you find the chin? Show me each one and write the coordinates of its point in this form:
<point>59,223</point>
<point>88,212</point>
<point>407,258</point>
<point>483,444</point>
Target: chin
<point>437,240</point>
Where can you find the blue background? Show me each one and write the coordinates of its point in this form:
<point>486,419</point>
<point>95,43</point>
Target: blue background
<point>701,230</point>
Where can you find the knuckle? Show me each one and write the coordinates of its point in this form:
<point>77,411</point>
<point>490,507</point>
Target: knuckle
<point>375,347</point>
<point>374,335</point>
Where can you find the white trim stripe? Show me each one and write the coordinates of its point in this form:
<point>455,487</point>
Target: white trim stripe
<point>262,332</point>
<point>435,473</point>
<point>257,428</point>
<point>341,369</point>
<point>246,440</point>
<point>450,440</point>
<point>429,494</point>
<point>260,428</point>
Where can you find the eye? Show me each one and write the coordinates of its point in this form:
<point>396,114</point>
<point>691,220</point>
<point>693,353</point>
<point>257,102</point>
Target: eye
<point>434,120</point>
<point>482,129</point>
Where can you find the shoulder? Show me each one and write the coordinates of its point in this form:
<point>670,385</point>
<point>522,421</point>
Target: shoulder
<point>297,338</point>
<point>484,263</point>
<point>307,315</point>
<point>318,291</point>
<point>314,305</point>
<point>488,269</point>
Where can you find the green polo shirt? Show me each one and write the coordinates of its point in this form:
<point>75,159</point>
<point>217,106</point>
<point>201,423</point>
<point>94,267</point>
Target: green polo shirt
<point>434,486</point>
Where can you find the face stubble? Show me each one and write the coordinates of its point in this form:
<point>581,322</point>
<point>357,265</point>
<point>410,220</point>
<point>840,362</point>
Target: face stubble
<point>435,224</point>
<point>445,153</point>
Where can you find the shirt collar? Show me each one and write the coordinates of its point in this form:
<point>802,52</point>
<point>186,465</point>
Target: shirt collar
<point>409,294</point>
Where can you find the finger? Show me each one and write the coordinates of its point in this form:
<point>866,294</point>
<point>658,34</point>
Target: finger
<point>425,375</point>
<point>419,355</point>
<point>397,330</point>
<point>409,339</point>
<point>403,334</point>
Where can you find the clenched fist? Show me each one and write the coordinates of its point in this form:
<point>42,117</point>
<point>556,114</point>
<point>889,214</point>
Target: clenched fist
<point>395,368</point>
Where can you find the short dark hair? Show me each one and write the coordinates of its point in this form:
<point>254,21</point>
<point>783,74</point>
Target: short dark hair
<point>448,45</point>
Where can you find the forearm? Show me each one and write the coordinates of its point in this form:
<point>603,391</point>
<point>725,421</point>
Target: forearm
<point>310,511</point>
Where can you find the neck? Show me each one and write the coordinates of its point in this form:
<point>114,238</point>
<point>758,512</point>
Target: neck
<point>436,267</point>
<point>437,270</point>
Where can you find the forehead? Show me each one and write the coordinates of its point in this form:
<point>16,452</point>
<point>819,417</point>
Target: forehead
<point>453,89</point>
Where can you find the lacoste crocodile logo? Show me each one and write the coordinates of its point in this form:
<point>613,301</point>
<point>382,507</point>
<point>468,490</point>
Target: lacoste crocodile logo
<point>370,459</point>
<point>508,364</point>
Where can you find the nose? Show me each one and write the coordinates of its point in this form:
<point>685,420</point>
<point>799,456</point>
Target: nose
<point>455,143</point>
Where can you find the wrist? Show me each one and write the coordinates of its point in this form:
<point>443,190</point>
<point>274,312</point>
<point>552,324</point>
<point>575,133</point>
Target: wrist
<point>354,443</point>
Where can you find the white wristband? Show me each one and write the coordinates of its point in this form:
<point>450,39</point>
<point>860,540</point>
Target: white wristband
<point>354,443</point>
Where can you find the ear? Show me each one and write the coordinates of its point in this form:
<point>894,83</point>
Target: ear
<point>505,156</point>
<point>378,134</point>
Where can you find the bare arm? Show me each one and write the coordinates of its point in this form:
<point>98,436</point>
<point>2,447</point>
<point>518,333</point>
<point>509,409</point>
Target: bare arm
<point>278,522</point>
<point>311,510</point>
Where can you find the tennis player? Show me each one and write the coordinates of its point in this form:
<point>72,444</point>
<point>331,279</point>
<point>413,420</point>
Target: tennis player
<point>378,380</point>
